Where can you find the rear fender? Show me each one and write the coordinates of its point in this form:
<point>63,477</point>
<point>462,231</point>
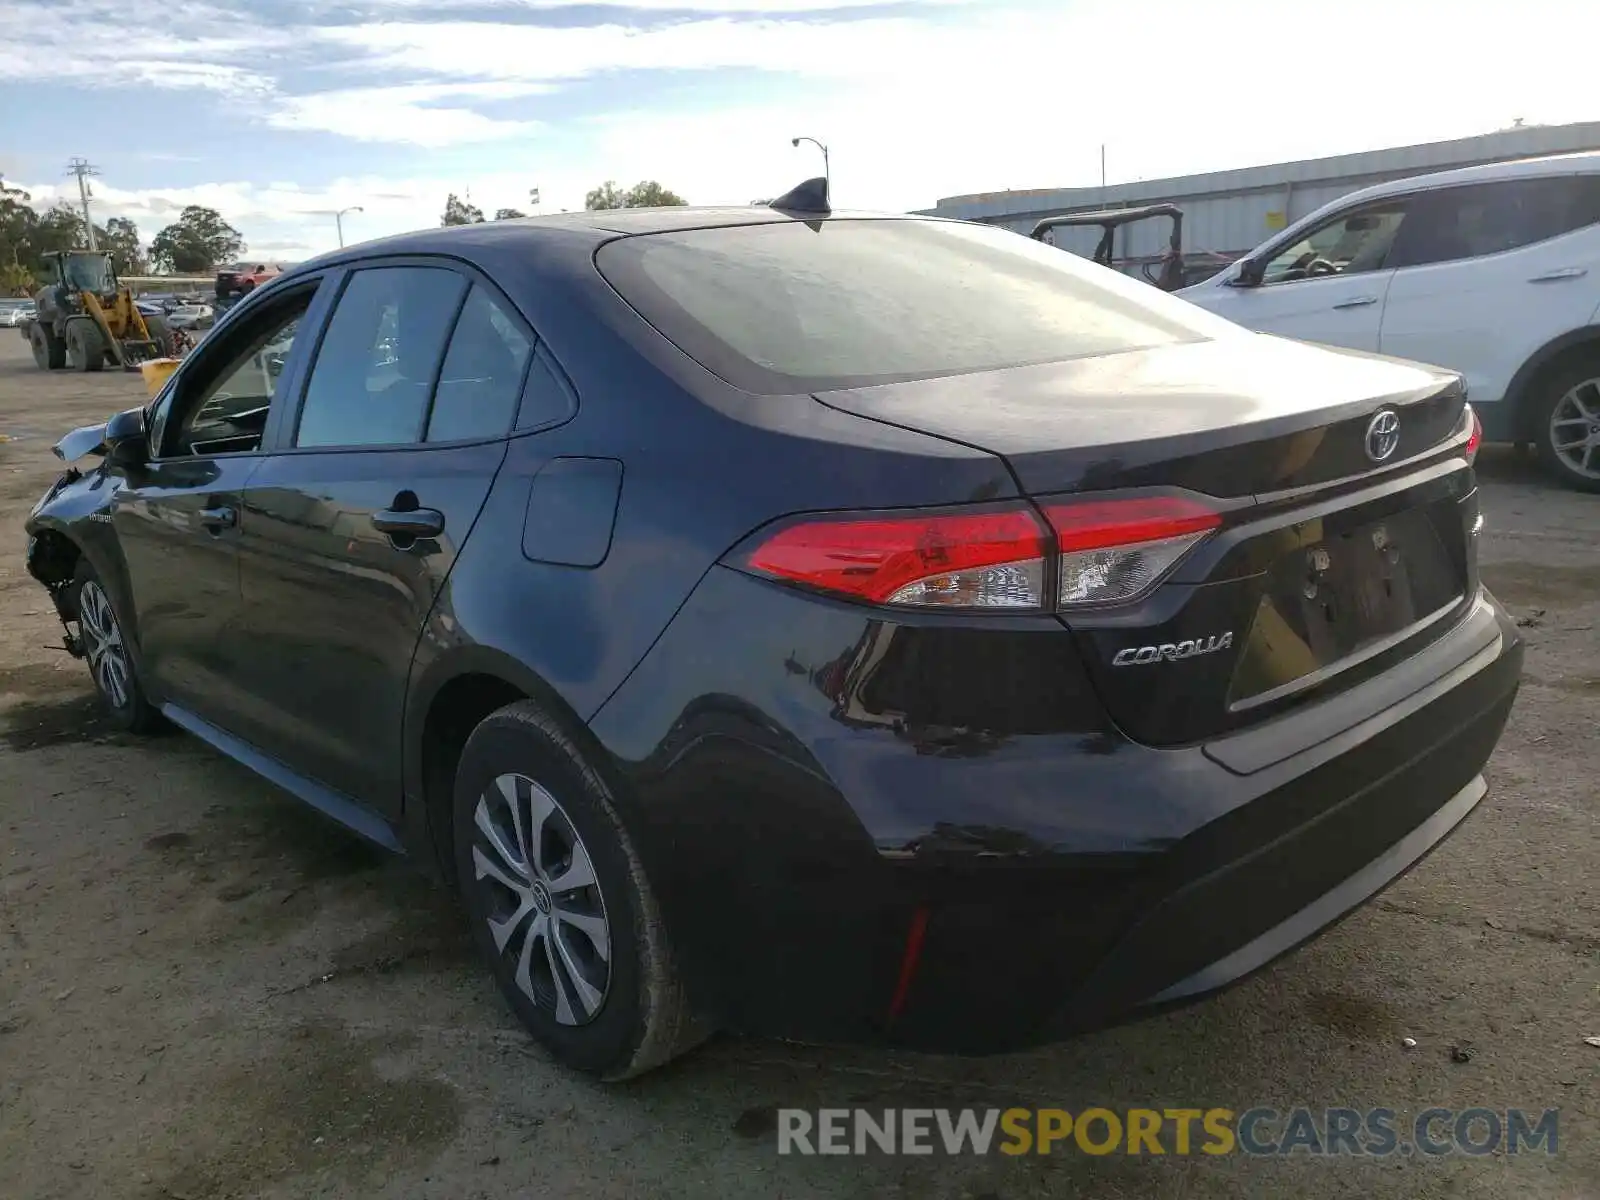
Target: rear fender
<point>1520,392</point>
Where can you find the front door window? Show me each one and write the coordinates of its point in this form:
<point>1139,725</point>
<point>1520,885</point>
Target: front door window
<point>1349,244</point>
<point>222,407</point>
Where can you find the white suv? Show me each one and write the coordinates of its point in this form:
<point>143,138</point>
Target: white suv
<point>1492,271</point>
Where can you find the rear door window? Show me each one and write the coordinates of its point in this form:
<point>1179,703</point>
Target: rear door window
<point>548,398</point>
<point>1452,224</point>
<point>803,307</point>
<point>379,359</point>
<point>482,374</point>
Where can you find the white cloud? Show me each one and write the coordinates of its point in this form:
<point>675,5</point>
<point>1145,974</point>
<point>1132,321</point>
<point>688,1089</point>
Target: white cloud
<point>407,113</point>
<point>96,44</point>
<point>870,48</point>
<point>913,110</point>
<point>747,7</point>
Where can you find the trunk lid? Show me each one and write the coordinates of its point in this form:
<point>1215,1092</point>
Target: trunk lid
<point>1231,418</point>
<point>1329,566</point>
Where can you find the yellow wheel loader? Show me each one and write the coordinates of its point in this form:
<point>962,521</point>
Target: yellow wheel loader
<point>86,318</point>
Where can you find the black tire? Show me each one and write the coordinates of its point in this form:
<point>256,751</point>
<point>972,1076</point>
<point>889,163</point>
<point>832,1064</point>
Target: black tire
<point>1553,391</point>
<point>161,334</point>
<point>49,351</point>
<point>643,1018</point>
<point>85,347</point>
<point>118,688</point>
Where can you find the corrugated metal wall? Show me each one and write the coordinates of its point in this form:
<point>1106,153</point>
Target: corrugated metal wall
<point>1234,211</point>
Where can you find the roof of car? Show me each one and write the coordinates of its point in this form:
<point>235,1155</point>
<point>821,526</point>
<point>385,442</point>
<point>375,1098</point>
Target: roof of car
<point>675,217</point>
<point>1585,162</point>
<point>590,227</point>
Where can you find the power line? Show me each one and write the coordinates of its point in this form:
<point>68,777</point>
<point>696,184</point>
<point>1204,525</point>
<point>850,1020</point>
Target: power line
<point>82,168</point>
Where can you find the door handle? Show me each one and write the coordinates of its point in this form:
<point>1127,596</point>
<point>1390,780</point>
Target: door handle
<point>1563,273</point>
<point>223,516</point>
<point>1357,302</point>
<point>413,523</point>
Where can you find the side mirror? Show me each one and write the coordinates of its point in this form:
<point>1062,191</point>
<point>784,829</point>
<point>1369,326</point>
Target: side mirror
<point>127,441</point>
<point>1251,271</point>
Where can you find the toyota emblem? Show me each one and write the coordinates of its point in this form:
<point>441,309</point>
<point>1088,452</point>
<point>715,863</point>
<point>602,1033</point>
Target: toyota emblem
<point>1383,435</point>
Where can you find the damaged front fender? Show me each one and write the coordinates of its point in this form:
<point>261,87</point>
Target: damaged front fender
<point>70,521</point>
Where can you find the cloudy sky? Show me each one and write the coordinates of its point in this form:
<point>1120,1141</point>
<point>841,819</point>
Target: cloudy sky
<point>276,112</point>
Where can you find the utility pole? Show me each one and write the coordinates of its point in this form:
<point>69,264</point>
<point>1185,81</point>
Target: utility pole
<point>83,169</point>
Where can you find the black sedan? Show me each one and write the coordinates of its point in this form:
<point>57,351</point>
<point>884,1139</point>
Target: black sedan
<point>838,626</point>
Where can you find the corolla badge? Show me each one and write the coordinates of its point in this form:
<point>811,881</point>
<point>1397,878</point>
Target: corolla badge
<point>1139,656</point>
<point>1383,434</point>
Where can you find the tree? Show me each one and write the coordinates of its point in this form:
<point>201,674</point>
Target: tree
<point>650,194</point>
<point>17,225</point>
<point>460,212</point>
<point>26,237</point>
<point>121,241</point>
<point>645,194</point>
<point>61,228</point>
<point>508,214</point>
<point>607,195</point>
<point>16,279</point>
<point>196,243</point>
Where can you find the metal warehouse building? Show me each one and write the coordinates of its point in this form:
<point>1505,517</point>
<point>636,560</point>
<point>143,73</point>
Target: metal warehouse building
<point>1231,212</point>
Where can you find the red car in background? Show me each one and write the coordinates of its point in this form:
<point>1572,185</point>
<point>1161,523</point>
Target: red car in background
<point>239,280</point>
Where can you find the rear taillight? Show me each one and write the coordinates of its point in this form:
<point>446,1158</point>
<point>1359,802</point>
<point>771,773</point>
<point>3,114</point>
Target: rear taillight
<point>1102,551</point>
<point>1474,434</point>
<point>988,558</point>
<point>1113,551</point>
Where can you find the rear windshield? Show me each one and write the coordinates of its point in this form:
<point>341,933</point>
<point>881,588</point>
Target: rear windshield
<point>796,307</point>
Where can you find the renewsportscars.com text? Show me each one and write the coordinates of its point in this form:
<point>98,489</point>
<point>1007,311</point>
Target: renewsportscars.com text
<point>1374,1132</point>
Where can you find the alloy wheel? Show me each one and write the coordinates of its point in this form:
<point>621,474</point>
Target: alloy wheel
<point>1575,429</point>
<point>102,638</point>
<point>542,899</point>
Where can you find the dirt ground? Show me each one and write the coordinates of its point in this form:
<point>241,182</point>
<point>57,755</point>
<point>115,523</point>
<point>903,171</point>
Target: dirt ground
<point>206,991</point>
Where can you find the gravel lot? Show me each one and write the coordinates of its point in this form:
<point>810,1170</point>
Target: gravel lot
<point>206,991</point>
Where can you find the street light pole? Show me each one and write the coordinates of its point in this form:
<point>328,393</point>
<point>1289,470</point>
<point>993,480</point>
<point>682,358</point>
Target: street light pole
<point>338,221</point>
<point>826,173</point>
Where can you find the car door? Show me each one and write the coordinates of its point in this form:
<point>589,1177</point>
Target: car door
<point>1488,273</point>
<point>353,522</point>
<point>1324,284</point>
<point>177,519</point>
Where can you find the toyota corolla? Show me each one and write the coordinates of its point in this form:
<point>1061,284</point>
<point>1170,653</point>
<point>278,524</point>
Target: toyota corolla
<point>839,626</point>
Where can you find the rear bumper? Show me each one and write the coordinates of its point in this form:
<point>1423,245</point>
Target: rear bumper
<point>1318,833</point>
<point>1497,419</point>
<point>1332,904</point>
<point>1061,881</point>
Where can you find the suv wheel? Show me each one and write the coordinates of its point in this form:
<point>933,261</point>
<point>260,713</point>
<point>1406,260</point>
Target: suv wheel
<point>559,903</point>
<point>1567,421</point>
<point>110,661</point>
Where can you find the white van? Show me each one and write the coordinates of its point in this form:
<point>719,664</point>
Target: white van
<point>1492,271</point>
